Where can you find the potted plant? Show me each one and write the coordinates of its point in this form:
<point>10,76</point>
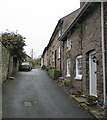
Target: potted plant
<point>78,93</point>
<point>91,99</point>
<point>105,109</point>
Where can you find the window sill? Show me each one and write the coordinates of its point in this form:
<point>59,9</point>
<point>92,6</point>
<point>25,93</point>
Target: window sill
<point>67,75</point>
<point>78,78</point>
<point>68,50</point>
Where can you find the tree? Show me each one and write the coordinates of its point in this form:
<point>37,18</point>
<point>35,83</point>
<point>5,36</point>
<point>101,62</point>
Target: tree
<point>15,43</point>
<point>36,62</point>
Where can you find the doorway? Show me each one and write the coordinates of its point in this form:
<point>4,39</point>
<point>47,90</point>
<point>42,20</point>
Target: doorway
<point>92,74</point>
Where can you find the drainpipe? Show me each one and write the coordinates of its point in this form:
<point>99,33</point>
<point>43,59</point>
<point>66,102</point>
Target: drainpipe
<point>103,50</point>
<point>63,60</point>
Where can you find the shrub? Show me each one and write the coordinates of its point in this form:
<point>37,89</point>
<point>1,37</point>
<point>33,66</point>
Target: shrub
<point>67,82</point>
<point>44,67</point>
<point>57,74</point>
<point>91,97</point>
<point>14,43</point>
<point>51,72</point>
<point>79,92</point>
<point>105,109</point>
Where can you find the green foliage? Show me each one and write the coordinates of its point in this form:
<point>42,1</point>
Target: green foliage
<point>38,61</point>
<point>33,63</point>
<point>57,74</point>
<point>44,67</point>
<point>54,74</point>
<point>91,97</point>
<point>15,43</point>
<point>51,73</point>
<point>79,92</point>
<point>105,110</point>
<point>65,82</point>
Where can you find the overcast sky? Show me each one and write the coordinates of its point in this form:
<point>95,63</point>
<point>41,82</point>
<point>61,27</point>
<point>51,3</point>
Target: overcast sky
<point>34,19</point>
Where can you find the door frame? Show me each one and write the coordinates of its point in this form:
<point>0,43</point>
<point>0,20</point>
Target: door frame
<point>90,73</point>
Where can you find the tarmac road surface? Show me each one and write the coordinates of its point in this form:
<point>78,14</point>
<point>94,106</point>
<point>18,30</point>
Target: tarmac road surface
<point>34,95</point>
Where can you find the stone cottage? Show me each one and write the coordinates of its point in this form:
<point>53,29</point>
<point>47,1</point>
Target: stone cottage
<point>84,50</point>
<point>78,49</point>
<point>52,56</point>
<point>28,58</point>
<point>44,58</point>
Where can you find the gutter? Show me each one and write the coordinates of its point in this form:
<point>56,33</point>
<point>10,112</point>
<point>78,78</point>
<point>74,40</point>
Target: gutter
<point>103,50</point>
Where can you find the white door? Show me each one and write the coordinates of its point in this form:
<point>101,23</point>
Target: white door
<point>92,74</point>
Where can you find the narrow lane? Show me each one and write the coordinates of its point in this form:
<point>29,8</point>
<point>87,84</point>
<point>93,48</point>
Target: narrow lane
<point>34,95</point>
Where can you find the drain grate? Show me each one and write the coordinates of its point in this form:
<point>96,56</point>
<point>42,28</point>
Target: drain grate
<point>28,104</point>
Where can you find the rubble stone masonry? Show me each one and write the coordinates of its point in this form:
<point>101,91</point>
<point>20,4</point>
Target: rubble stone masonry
<point>8,65</point>
<point>0,62</point>
<point>91,40</point>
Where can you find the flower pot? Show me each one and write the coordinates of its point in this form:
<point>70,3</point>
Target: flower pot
<point>77,95</point>
<point>89,101</point>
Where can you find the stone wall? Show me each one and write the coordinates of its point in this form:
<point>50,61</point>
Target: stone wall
<point>0,62</point>
<point>91,40</point>
<point>45,59</point>
<point>9,65</point>
<point>0,80</point>
<point>55,45</point>
<point>75,51</point>
<point>105,35</point>
<point>85,38</point>
<point>53,58</point>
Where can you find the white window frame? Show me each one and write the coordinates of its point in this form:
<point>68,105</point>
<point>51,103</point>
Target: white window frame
<point>78,76</point>
<point>59,52</point>
<point>68,68</point>
<point>59,33</point>
<point>68,44</point>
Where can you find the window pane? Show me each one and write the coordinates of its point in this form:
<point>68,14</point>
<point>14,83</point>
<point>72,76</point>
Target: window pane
<point>68,67</point>
<point>79,60</point>
<point>68,44</point>
<point>59,52</point>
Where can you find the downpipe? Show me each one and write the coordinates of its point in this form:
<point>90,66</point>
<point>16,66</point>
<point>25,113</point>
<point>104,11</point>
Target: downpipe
<point>103,50</point>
